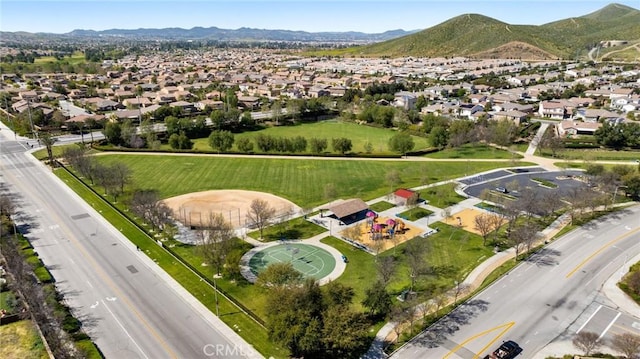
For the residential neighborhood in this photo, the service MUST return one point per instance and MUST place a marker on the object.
(194, 83)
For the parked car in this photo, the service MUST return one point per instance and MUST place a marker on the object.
(502, 190)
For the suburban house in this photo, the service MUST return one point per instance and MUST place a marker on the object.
(595, 115)
(552, 109)
(573, 128)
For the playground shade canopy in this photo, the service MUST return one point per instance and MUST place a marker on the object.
(348, 207)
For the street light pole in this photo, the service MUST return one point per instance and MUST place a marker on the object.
(215, 286)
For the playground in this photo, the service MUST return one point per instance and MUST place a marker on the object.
(310, 260)
(383, 233)
(464, 219)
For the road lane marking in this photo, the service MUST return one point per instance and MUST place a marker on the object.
(108, 281)
(606, 246)
(125, 330)
(475, 356)
(588, 320)
(609, 326)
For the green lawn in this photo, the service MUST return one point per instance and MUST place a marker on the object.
(452, 254)
(441, 196)
(358, 134)
(474, 151)
(381, 206)
(297, 228)
(415, 214)
(21, 340)
(300, 181)
(596, 154)
(76, 58)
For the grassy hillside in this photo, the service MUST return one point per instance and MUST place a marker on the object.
(476, 35)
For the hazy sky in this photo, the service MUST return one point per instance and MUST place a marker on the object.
(370, 16)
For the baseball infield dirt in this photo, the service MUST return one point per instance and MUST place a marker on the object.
(193, 209)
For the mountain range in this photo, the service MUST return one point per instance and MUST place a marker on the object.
(474, 35)
(614, 29)
(214, 33)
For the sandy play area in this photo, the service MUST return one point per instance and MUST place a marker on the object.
(466, 217)
(381, 245)
(193, 209)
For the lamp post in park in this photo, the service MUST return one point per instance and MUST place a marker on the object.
(215, 287)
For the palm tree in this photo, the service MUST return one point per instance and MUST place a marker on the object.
(48, 142)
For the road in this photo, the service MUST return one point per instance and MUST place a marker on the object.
(549, 297)
(127, 304)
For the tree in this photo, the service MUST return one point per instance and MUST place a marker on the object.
(439, 137)
(244, 144)
(632, 185)
(483, 224)
(414, 252)
(337, 295)
(318, 145)
(503, 132)
(221, 141)
(551, 142)
(121, 175)
(520, 235)
(343, 332)
(294, 319)
(341, 145)
(377, 300)
(587, 342)
(48, 141)
(180, 141)
(627, 344)
(279, 275)
(215, 240)
(610, 135)
(386, 267)
(402, 143)
(260, 213)
(393, 179)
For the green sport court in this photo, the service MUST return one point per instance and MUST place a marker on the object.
(307, 259)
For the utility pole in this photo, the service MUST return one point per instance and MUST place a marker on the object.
(35, 134)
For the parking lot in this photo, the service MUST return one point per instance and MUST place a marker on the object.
(564, 180)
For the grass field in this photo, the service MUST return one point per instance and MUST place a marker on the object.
(358, 134)
(473, 152)
(297, 228)
(594, 155)
(381, 206)
(300, 181)
(441, 196)
(20, 340)
(415, 213)
(452, 254)
(76, 58)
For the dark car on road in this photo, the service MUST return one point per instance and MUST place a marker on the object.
(508, 350)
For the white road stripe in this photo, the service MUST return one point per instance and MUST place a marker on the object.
(609, 326)
(124, 330)
(585, 323)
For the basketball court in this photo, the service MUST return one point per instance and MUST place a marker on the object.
(311, 261)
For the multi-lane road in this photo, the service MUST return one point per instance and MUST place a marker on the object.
(126, 303)
(552, 296)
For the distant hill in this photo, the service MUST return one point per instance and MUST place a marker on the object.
(214, 33)
(474, 35)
